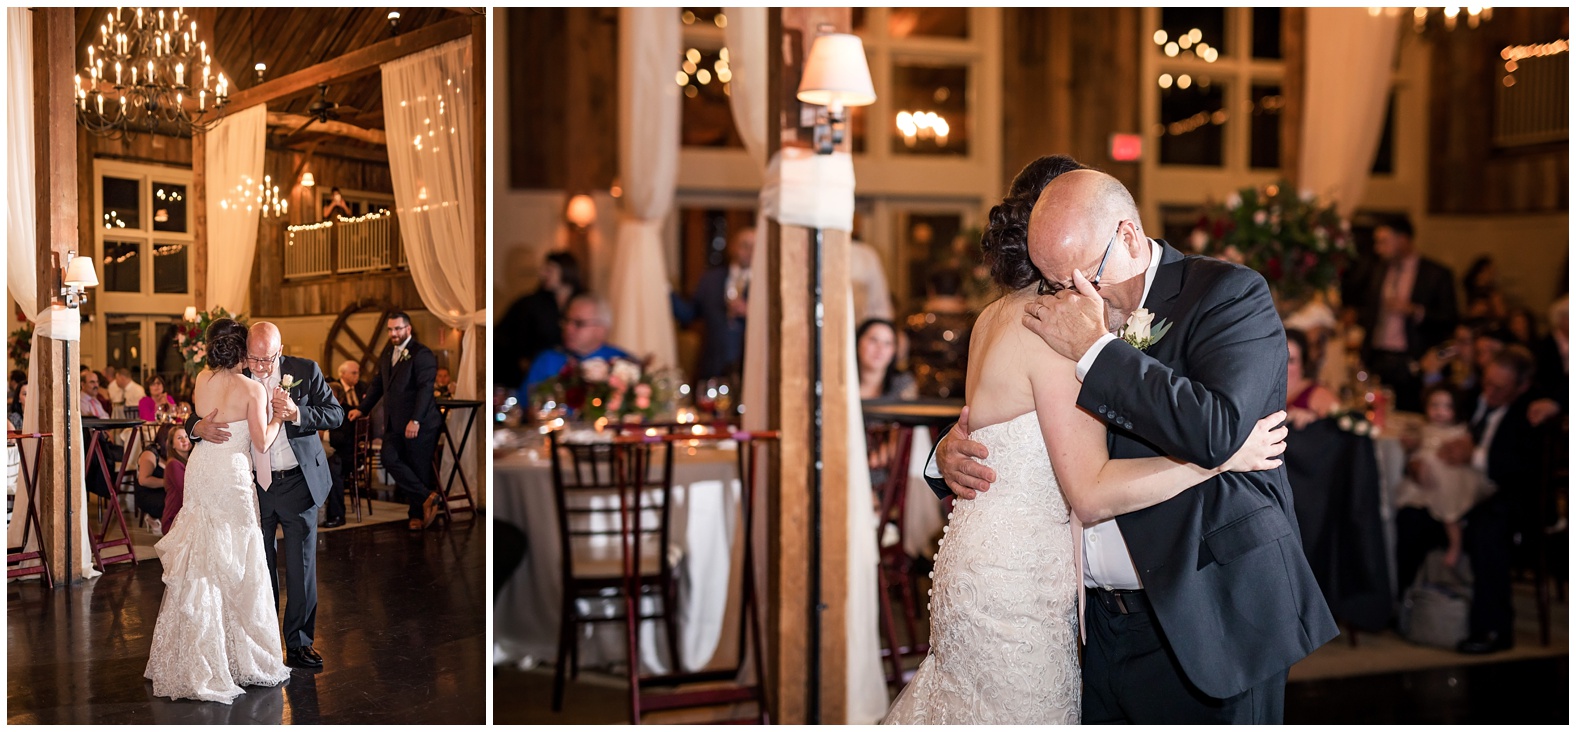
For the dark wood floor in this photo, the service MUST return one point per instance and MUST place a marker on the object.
(401, 624)
(1514, 692)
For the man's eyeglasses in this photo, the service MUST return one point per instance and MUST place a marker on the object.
(577, 323)
(263, 360)
(1055, 288)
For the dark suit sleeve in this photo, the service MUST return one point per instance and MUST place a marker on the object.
(191, 424)
(1439, 311)
(938, 485)
(321, 411)
(375, 391)
(1236, 357)
(424, 373)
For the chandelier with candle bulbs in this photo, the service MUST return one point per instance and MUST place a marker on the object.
(148, 72)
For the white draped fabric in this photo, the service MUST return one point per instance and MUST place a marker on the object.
(428, 110)
(234, 156)
(867, 694)
(648, 151)
(21, 231)
(1350, 51)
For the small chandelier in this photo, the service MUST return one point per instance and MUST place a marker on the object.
(148, 72)
(249, 194)
(1448, 18)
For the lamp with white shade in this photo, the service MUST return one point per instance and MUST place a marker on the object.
(79, 276)
(836, 76)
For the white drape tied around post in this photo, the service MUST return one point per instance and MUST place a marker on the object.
(234, 157)
(1348, 87)
(810, 190)
(648, 151)
(428, 109)
(21, 231)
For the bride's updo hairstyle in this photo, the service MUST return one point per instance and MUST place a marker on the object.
(226, 341)
(1006, 238)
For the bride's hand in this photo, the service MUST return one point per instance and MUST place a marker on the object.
(1266, 443)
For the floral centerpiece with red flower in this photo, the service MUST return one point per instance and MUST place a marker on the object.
(619, 390)
(1300, 244)
(191, 337)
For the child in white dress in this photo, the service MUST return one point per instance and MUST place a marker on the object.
(1445, 490)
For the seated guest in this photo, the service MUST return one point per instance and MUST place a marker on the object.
(1505, 448)
(1482, 291)
(1553, 352)
(178, 449)
(443, 384)
(20, 407)
(1454, 363)
(150, 478)
(349, 392)
(14, 404)
(1522, 325)
(157, 401)
(91, 406)
(1436, 494)
(1306, 400)
(876, 352)
(586, 323)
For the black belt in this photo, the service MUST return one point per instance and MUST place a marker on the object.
(1121, 602)
(286, 471)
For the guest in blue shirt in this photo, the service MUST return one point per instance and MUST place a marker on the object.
(586, 322)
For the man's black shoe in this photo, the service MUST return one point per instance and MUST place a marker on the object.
(1488, 643)
(304, 657)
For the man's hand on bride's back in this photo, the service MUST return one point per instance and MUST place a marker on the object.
(958, 458)
(209, 430)
(1262, 448)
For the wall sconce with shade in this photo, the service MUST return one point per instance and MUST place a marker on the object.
(836, 76)
(307, 181)
(190, 315)
(77, 277)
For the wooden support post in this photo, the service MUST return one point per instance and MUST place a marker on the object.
(480, 177)
(54, 150)
(199, 197)
(1294, 84)
(791, 32)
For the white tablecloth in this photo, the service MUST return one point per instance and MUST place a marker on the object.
(706, 497)
(924, 513)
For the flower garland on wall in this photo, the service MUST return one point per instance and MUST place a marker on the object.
(1300, 244)
(191, 338)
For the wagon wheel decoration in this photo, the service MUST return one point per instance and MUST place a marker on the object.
(344, 342)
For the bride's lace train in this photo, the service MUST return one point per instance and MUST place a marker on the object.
(1004, 611)
(218, 628)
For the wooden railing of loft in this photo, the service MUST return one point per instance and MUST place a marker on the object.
(342, 247)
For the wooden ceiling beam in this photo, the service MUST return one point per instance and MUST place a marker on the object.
(354, 64)
(321, 148)
(332, 127)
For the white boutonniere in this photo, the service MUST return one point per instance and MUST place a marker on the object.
(288, 382)
(1141, 331)
(404, 355)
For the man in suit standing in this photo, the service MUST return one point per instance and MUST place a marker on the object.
(406, 372)
(1199, 605)
(1408, 306)
(721, 301)
(350, 392)
(301, 480)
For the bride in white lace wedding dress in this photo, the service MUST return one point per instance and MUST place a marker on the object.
(218, 629)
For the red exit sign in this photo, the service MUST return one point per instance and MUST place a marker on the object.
(1126, 148)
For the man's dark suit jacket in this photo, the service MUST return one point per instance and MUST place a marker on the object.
(319, 411)
(1222, 562)
(723, 349)
(343, 437)
(409, 386)
(1434, 289)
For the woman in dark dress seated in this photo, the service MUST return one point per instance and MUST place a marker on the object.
(150, 478)
(1306, 399)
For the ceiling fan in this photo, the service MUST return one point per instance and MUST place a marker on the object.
(323, 109)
